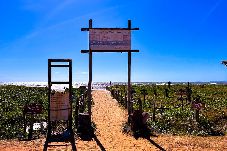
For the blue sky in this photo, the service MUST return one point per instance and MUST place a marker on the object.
(179, 40)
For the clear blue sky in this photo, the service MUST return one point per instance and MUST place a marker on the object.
(179, 40)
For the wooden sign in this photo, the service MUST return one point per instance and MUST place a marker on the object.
(33, 108)
(181, 92)
(59, 106)
(107, 39)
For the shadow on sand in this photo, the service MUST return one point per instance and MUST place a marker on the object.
(155, 144)
(99, 144)
(90, 137)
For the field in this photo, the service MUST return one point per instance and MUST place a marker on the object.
(180, 109)
(13, 99)
(180, 113)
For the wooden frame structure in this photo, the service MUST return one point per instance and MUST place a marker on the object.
(50, 137)
(129, 103)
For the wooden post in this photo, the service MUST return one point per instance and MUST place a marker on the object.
(197, 115)
(77, 112)
(189, 92)
(140, 105)
(129, 83)
(49, 97)
(90, 77)
(30, 136)
(144, 98)
(154, 112)
(125, 103)
(121, 97)
(182, 102)
(25, 123)
(70, 94)
(144, 93)
(129, 76)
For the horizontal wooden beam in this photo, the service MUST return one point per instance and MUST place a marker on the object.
(87, 51)
(60, 66)
(87, 29)
(60, 60)
(60, 82)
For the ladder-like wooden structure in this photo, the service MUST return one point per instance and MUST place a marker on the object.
(70, 134)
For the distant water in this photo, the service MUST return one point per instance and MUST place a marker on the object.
(43, 84)
(101, 85)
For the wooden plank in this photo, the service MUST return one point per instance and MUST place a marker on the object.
(87, 29)
(57, 82)
(60, 66)
(59, 60)
(87, 51)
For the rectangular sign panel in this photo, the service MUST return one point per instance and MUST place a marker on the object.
(107, 39)
(59, 106)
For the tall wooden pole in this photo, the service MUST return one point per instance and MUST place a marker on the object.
(49, 93)
(70, 94)
(90, 77)
(129, 76)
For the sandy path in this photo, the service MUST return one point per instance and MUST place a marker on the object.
(109, 117)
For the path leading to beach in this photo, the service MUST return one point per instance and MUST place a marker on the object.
(109, 118)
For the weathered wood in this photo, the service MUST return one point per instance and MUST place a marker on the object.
(63, 82)
(90, 78)
(129, 84)
(59, 60)
(87, 51)
(154, 108)
(197, 115)
(144, 93)
(70, 95)
(85, 129)
(49, 97)
(76, 113)
(129, 76)
(140, 105)
(129, 103)
(70, 135)
(59, 65)
(30, 133)
(87, 29)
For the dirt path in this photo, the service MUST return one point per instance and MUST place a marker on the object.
(109, 117)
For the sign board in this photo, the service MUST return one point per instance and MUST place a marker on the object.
(59, 106)
(181, 92)
(107, 39)
(33, 108)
